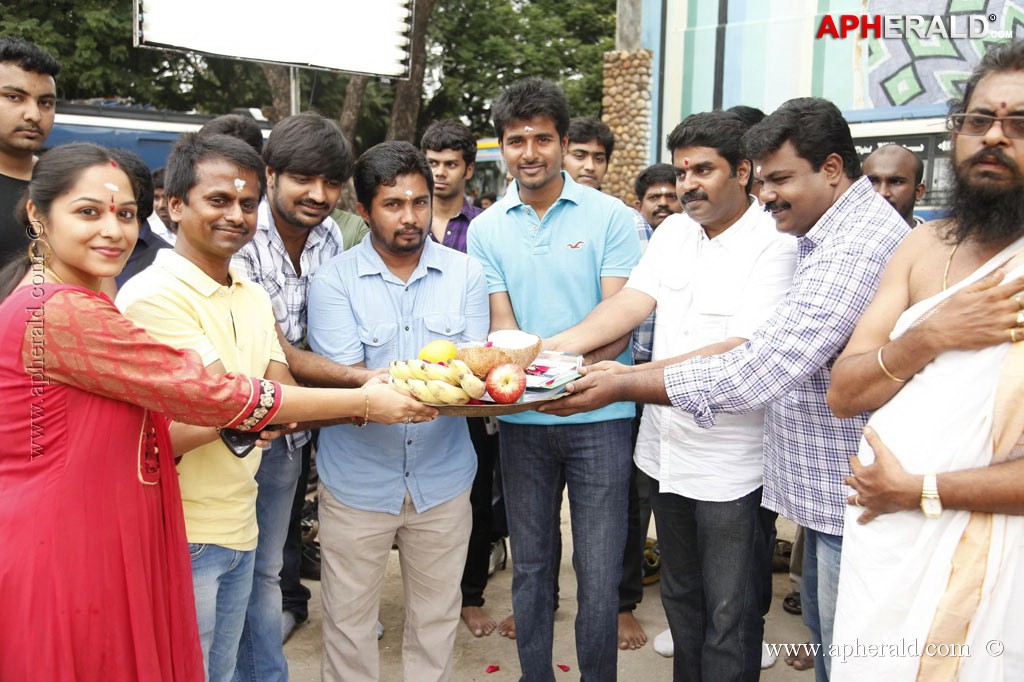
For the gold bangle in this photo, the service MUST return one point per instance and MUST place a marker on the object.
(886, 371)
(360, 423)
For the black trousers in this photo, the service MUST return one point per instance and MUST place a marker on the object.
(485, 518)
(294, 595)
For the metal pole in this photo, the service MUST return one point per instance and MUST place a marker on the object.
(293, 78)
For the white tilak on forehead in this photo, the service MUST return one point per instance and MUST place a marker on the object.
(528, 129)
(112, 187)
(408, 192)
(239, 184)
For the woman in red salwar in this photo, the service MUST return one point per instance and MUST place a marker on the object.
(95, 581)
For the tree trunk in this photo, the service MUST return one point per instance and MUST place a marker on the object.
(280, 91)
(349, 116)
(408, 93)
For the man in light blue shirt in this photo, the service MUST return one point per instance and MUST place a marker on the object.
(381, 301)
(552, 250)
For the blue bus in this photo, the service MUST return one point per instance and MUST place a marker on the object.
(150, 134)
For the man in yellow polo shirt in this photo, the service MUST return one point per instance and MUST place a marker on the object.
(191, 298)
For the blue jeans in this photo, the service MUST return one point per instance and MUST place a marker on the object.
(593, 461)
(222, 580)
(711, 575)
(260, 653)
(818, 589)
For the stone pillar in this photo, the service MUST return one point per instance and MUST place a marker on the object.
(626, 107)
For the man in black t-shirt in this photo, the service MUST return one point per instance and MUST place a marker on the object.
(28, 99)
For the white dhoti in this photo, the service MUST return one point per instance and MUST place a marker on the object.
(939, 599)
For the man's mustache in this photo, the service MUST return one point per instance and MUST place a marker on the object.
(773, 206)
(992, 155)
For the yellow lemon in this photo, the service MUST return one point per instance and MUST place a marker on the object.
(438, 351)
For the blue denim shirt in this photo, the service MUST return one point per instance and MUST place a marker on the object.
(360, 312)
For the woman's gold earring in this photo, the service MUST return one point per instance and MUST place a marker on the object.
(33, 251)
(34, 229)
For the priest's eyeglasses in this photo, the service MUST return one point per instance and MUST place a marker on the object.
(978, 124)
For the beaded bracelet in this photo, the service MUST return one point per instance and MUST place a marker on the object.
(886, 371)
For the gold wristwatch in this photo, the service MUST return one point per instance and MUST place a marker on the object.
(931, 505)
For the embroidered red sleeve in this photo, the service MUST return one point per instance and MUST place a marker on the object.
(85, 342)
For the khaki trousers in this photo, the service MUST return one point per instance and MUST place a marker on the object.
(354, 547)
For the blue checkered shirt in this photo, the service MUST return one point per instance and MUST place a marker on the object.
(265, 261)
(785, 366)
(643, 336)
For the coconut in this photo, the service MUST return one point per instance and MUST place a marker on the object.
(481, 358)
(522, 347)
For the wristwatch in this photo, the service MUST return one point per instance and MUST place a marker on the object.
(931, 505)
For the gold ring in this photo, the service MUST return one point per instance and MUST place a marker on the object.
(856, 500)
(1013, 335)
(408, 420)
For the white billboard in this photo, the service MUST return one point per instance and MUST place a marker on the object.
(361, 36)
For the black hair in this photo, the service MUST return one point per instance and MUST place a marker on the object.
(236, 125)
(814, 126)
(309, 144)
(658, 174)
(478, 202)
(528, 98)
(999, 58)
(158, 177)
(192, 149)
(382, 163)
(719, 130)
(749, 115)
(54, 174)
(584, 129)
(142, 181)
(28, 56)
(449, 134)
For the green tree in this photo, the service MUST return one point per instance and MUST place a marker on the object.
(475, 48)
(481, 46)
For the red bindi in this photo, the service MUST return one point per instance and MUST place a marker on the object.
(112, 206)
(113, 163)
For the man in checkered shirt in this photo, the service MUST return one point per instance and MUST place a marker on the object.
(308, 161)
(811, 183)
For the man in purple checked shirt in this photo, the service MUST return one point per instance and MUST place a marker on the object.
(450, 149)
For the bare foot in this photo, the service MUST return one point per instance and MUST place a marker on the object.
(507, 627)
(803, 660)
(631, 634)
(477, 620)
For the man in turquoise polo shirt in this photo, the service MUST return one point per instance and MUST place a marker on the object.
(552, 250)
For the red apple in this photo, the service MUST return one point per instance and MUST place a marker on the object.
(506, 383)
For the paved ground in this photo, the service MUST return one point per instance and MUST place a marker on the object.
(474, 655)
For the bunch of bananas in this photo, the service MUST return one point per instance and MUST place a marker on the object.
(436, 382)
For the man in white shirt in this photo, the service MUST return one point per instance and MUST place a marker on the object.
(714, 275)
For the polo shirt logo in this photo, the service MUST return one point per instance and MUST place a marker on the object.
(576, 245)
